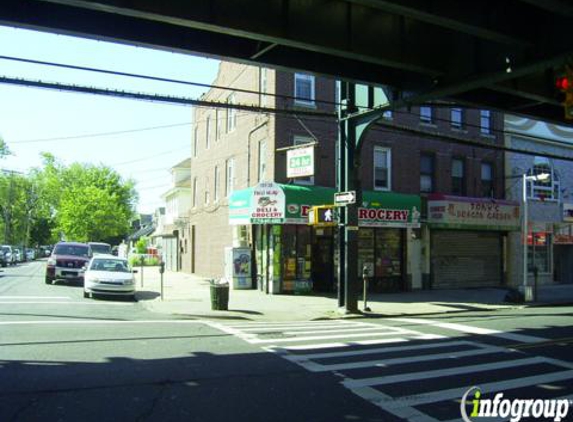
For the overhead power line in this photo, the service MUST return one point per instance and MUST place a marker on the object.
(100, 134)
(160, 98)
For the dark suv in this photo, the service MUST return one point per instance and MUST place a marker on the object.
(67, 261)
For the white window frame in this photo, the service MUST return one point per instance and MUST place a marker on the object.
(231, 114)
(216, 178)
(229, 176)
(456, 118)
(388, 152)
(549, 189)
(207, 132)
(263, 78)
(194, 143)
(426, 114)
(485, 116)
(195, 192)
(301, 140)
(306, 78)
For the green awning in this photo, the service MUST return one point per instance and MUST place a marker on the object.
(273, 203)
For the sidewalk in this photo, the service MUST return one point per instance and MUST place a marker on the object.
(189, 295)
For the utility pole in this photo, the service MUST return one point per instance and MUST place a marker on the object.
(360, 107)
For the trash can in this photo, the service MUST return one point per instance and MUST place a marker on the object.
(219, 295)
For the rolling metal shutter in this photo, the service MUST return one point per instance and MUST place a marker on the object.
(462, 259)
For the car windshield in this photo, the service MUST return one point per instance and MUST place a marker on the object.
(76, 250)
(112, 265)
(5, 249)
(101, 248)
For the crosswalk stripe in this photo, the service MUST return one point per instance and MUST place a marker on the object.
(287, 323)
(423, 375)
(473, 330)
(384, 350)
(315, 367)
(306, 327)
(456, 393)
(352, 330)
(326, 337)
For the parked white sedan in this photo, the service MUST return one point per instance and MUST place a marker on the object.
(110, 275)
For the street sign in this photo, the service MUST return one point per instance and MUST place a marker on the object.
(345, 198)
(300, 162)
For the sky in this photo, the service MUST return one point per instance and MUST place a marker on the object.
(34, 120)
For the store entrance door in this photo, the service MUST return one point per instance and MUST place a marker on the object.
(323, 264)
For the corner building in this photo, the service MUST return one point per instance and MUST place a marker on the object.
(242, 197)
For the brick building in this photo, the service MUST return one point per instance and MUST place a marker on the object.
(235, 157)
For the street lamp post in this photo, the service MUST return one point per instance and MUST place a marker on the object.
(537, 178)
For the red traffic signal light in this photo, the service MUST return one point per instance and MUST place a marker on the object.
(563, 83)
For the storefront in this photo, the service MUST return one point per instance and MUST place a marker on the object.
(563, 247)
(468, 240)
(291, 256)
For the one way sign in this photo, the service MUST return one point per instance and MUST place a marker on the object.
(345, 198)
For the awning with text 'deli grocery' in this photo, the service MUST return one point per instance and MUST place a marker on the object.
(274, 203)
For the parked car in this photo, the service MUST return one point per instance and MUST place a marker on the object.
(3, 259)
(108, 274)
(67, 261)
(30, 254)
(100, 248)
(9, 255)
(17, 255)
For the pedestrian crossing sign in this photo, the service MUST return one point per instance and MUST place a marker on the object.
(323, 216)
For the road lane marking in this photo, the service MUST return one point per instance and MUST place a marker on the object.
(65, 303)
(96, 321)
(522, 338)
(424, 375)
(34, 297)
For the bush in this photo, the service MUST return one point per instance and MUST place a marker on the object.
(148, 260)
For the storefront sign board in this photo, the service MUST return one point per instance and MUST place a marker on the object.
(268, 205)
(473, 213)
(300, 162)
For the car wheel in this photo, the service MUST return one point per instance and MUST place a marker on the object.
(4, 265)
(86, 295)
(48, 280)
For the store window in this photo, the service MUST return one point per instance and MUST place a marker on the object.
(382, 168)
(427, 173)
(538, 251)
(388, 253)
(458, 177)
(547, 188)
(297, 262)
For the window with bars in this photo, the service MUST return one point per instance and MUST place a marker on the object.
(427, 172)
(304, 89)
(458, 177)
(382, 168)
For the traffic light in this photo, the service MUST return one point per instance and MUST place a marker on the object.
(564, 84)
(323, 216)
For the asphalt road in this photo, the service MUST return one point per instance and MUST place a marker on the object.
(66, 358)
